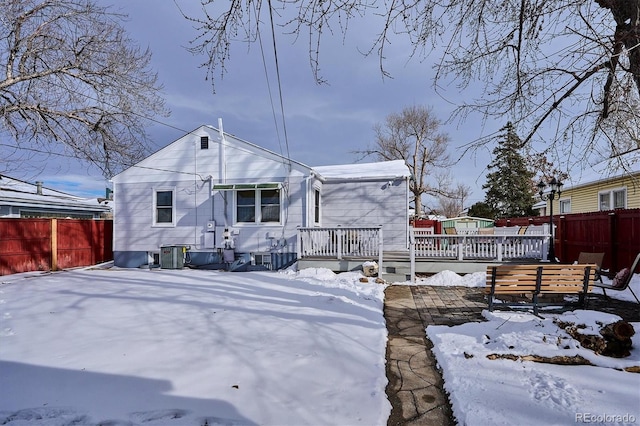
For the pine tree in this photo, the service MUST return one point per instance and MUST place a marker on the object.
(510, 192)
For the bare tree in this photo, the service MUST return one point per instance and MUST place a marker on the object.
(72, 82)
(567, 71)
(414, 136)
(453, 205)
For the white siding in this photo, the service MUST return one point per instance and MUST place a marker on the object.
(184, 168)
(369, 204)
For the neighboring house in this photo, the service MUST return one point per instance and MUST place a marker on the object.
(209, 191)
(20, 199)
(592, 193)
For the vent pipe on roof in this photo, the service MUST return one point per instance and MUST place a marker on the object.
(39, 187)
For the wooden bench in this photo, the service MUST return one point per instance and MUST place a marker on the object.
(528, 282)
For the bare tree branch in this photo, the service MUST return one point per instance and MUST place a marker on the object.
(74, 82)
(550, 67)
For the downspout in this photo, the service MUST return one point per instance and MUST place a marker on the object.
(222, 169)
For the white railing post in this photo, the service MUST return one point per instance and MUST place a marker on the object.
(545, 249)
(380, 251)
(461, 247)
(499, 248)
(339, 243)
(298, 243)
(412, 255)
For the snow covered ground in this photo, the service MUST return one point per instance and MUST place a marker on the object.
(168, 347)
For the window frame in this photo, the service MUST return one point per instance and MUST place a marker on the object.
(564, 202)
(258, 206)
(611, 198)
(317, 206)
(155, 221)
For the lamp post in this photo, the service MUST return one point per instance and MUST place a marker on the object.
(555, 188)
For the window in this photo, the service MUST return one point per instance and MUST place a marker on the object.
(316, 207)
(164, 207)
(204, 142)
(270, 205)
(246, 206)
(565, 205)
(619, 199)
(613, 199)
(258, 206)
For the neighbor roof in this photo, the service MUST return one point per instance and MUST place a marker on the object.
(17, 192)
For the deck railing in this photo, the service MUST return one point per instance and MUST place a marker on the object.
(339, 242)
(486, 247)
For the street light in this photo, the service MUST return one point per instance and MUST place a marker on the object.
(555, 188)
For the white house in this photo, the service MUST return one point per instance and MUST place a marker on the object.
(209, 193)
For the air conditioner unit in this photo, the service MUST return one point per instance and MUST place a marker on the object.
(172, 257)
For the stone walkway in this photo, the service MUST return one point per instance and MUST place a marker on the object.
(415, 382)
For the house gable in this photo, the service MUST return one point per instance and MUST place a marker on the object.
(226, 160)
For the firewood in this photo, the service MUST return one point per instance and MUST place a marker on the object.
(614, 339)
(560, 360)
(620, 330)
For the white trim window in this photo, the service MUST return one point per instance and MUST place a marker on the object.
(612, 199)
(565, 205)
(317, 198)
(164, 207)
(260, 205)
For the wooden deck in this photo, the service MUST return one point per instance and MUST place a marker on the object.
(396, 266)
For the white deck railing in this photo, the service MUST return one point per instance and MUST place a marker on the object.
(339, 242)
(486, 247)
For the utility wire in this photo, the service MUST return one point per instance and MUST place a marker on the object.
(275, 54)
(266, 75)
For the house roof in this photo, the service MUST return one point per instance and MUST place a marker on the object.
(601, 172)
(230, 141)
(380, 170)
(16, 192)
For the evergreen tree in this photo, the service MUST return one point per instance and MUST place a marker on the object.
(510, 192)
(481, 209)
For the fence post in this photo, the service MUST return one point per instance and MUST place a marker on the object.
(561, 238)
(613, 247)
(54, 244)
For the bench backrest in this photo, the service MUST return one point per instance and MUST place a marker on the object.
(552, 278)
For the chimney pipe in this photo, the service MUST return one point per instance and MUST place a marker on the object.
(39, 187)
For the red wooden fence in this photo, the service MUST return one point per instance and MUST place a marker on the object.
(51, 244)
(616, 233)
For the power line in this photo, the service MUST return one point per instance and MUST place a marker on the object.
(275, 54)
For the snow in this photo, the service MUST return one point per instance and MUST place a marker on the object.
(382, 169)
(185, 347)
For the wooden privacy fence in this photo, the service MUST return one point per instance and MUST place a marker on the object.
(616, 233)
(52, 244)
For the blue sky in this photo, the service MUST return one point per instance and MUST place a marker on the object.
(325, 123)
